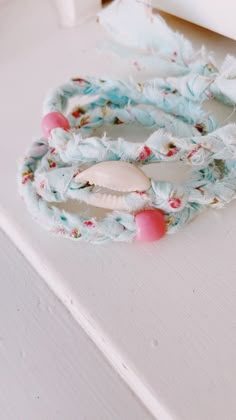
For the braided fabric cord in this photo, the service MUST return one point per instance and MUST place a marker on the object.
(178, 128)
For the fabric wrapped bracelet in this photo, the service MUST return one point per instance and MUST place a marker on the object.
(70, 162)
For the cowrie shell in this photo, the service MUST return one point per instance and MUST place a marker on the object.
(114, 175)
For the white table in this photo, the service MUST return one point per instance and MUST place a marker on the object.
(117, 331)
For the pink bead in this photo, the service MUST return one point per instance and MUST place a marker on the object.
(54, 120)
(150, 225)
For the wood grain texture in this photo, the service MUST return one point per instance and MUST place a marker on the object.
(49, 368)
(163, 314)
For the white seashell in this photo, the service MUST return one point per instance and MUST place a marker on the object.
(117, 176)
(107, 201)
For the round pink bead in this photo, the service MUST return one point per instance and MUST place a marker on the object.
(54, 120)
(150, 225)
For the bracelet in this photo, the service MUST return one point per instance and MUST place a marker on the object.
(158, 47)
(70, 162)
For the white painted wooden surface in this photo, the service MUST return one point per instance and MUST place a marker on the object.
(217, 15)
(49, 368)
(162, 314)
(73, 12)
